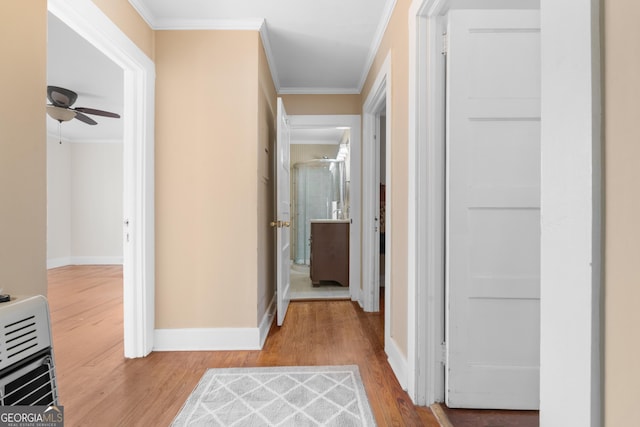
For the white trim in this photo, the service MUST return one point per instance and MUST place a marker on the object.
(84, 260)
(96, 260)
(267, 320)
(397, 361)
(58, 262)
(377, 40)
(355, 146)
(266, 44)
(571, 210)
(144, 12)
(207, 339)
(426, 203)
(379, 96)
(56, 138)
(318, 91)
(85, 18)
(207, 24)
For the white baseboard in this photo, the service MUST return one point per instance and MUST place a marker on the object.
(96, 260)
(398, 362)
(84, 260)
(58, 262)
(206, 339)
(267, 321)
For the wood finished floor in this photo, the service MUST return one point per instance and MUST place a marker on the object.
(491, 418)
(98, 387)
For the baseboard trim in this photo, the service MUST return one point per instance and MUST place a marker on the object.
(207, 339)
(398, 362)
(58, 262)
(267, 321)
(97, 260)
(84, 260)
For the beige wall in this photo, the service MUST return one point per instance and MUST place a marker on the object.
(23, 26)
(206, 192)
(622, 210)
(322, 104)
(130, 22)
(396, 43)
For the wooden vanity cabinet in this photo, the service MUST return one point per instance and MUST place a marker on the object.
(329, 251)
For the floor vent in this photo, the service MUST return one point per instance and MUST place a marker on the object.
(27, 369)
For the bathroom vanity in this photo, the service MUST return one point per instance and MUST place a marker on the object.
(329, 251)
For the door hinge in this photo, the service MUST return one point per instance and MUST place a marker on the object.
(445, 43)
(443, 353)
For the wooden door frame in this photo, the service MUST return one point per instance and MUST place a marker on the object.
(571, 244)
(86, 19)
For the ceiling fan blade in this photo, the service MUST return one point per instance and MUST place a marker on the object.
(97, 112)
(86, 119)
(61, 97)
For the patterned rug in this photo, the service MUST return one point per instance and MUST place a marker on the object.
(294, 396)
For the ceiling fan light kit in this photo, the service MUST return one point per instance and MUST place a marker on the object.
(60, 108)
(60, 114)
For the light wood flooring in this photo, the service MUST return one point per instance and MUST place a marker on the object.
(98, 387)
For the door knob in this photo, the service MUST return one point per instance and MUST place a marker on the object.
(286, 223)
(276, 224)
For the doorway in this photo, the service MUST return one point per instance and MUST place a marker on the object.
(345, 147)
(376, 218)
(320, 183)
(90, 23)
(571, 115)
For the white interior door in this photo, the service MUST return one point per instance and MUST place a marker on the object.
(493, 230)
(283, 213)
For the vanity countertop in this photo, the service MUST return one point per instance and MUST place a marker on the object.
(331, 221)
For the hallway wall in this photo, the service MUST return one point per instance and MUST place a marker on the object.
(622, 207)
(23, 210)
(395, 42)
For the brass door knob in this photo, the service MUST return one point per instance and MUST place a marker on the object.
(276, 224)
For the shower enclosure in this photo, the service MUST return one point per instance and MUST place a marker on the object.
(320, 192)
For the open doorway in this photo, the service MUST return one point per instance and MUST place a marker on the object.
(325, 194)
(137, 221)
(377, 192)
(84, 163)
(320, 181)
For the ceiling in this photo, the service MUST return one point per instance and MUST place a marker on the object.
(312, 46)
(73, 63)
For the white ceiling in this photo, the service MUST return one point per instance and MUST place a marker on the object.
(313, 46)
(75, 64)
(332, 136)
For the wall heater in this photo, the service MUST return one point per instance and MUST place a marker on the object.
(27, 370)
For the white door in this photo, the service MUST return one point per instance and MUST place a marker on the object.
(283, 213)
(493, 230)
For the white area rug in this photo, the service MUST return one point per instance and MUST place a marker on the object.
(294, 396)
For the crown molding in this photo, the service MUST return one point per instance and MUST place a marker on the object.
(318, 91)
(377, 40)
(208, 24)
(259, 24)
(143, 11)
(56, 138)
(266, 44)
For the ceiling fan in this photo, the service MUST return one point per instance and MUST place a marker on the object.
(60, 108)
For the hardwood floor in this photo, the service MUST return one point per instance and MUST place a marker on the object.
(98, 387)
